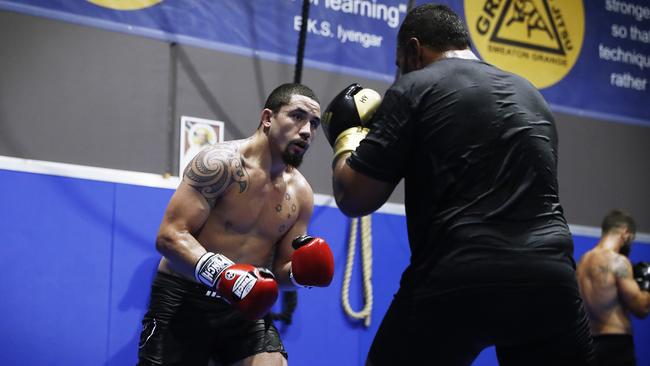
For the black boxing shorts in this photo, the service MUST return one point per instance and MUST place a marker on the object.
(614, 350)
(187, 324)
(528, 325)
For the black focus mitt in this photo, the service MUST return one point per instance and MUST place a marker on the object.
(641, 272)
(345, 117)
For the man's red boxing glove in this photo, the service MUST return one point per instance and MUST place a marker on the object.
(312, 262)
(251, 290)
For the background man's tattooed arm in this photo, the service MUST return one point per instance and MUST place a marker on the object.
(214, 169)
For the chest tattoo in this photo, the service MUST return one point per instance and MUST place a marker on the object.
(239, 174)
(227, 227)
(290, 210)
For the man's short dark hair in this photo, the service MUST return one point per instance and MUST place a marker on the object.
(618, 219)
(281, 95)
(435, 26)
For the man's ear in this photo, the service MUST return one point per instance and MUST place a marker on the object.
(413, 53)
(265, 118)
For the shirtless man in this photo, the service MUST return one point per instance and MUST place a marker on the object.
(610, 291)
(232, 232)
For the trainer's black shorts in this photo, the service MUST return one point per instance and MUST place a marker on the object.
(528, 325)
(614, 350)
(186, 324)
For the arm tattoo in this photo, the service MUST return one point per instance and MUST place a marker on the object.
(213, 170)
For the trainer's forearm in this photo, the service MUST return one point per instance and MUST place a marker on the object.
(338, 171)
(351, 196)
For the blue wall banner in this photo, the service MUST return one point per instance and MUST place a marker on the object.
(358, 35)
(587, 57)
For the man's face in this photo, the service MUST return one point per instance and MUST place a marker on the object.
(293, 128)
(400, 62)
(406, 61)
(628, 238)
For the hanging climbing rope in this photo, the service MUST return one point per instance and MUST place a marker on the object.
(366, 265)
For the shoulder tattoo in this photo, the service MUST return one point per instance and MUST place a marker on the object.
(619, 267)
(214, 169)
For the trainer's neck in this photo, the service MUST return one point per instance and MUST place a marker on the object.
(465, 54)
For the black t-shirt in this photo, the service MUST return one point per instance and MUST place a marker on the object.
(477, 147)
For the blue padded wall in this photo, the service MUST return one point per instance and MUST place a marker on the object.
(78, 259)
(138, 212)
(56, 236)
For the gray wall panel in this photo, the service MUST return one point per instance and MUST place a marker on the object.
(86, 96)
(603, 165)
(79, 95)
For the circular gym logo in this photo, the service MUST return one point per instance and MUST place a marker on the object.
(537, 39)
(125, 4)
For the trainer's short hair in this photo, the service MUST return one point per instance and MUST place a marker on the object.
(618, 219)
(435, 26)
(281, 95)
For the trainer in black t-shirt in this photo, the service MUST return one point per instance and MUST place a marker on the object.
(477, 147)
(491, 253)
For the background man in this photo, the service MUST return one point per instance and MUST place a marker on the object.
(610, 292)
(242, 207)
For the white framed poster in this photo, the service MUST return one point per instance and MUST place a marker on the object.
(195, 134)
